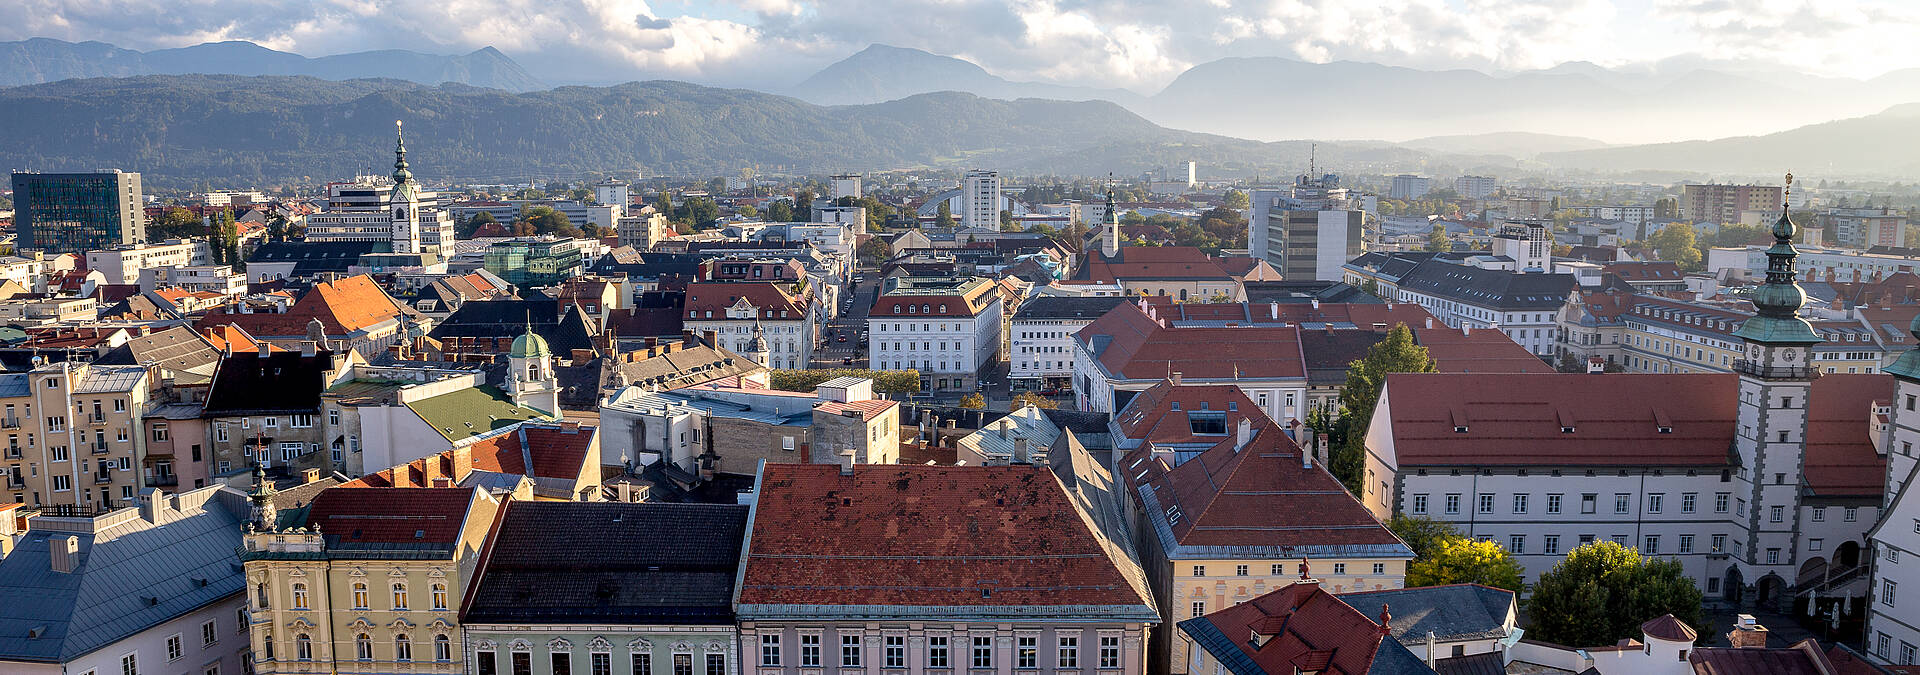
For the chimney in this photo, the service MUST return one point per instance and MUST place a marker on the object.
(309, 475)
(1175, 378)
(152, 504)
(1021, 455)
(1243, 434)
(710, 339)
(1003, 431)
(1429, 323)
(1316, 303)
(1466, 329)
(308, 347)
(1273, 309)
(1747, 633)
(1430, 646)
(264, 349)
(442, 482)
(846, 462)
(66, 553)
(1306, 457)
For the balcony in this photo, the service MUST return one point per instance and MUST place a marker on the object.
(97, 418)
(1746, 367)
(162, 479)
(102, 478)
(98, 448)
(13, 452)
(9, 423)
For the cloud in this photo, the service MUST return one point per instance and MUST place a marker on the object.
(1140, 44)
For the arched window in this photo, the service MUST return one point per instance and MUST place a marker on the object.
(442, 648)
(399, 595)
(261, 590)
(439, 595)
(266, 642)
(363, 647)
(360, 595)
(303, 647)
(402, 648)
(300, 596)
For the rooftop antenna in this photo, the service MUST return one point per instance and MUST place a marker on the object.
(1313, 160)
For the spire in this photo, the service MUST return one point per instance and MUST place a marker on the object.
(400, 173)
(1777, 302)
(261, 497)
(1110, 243)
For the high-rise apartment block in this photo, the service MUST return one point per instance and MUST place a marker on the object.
(980, 200)
(1475, 187)
(1748, 204)
(77, 212)
(1410, 187)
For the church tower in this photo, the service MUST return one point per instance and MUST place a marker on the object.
(756, 350)
(1776, 378)
(530, 379)
(1110, 243)
(263, 517)
(404, 202)
(1901, 452)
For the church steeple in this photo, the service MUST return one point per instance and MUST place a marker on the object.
(1777, 302)
(261, 497)
(1110, 244)
(400, 173)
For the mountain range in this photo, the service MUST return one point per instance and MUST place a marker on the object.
(40, 60)
(1271, 98)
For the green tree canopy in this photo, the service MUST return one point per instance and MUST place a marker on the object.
(1421, 533)
(1437, 240)
(1365, 378)
(1602, 593)
(973, 401)
(884, 381)
(1235, 200)
(1459, 560)
(944, 216)
(779, 212)
(1675, 243)
(175, 223)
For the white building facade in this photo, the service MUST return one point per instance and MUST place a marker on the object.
(946, 328)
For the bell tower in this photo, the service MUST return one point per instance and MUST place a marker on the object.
(531, 382)
(1776, 378)
(404, 203)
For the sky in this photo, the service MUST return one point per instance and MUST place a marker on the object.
(1135, 44)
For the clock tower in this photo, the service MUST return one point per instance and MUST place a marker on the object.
(1776, 378)
(404, 203)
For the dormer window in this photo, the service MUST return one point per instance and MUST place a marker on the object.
(1459, 428)
(1666, 430)
(1566, 430)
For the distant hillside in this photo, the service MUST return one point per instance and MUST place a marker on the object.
(885, 73)
(267, 130)
(1875, 145)
(46, 60)
(1515, 144)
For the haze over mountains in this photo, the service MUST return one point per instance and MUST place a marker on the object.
(888, 107)
(46, 60)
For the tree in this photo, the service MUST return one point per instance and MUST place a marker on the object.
(1675, 243)
(547, 220)
(1421, 533)
(175, 223)
(1370, 287)
(875, 249)
(944, 216)
(1666, 207)
(973, 401)
(779, 212)
(1437, 240)
(1235, 200)
(878, 213)
(1006, 222)
(1028, 398)
(1459, 560)
(884, 381)
(473, 224)
(1602, 593)
(747, 211)
(1365, 378)
(223, 238)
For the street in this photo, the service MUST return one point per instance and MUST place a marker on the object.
(849, 325)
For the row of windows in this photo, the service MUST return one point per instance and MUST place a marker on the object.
(486, 662)
(363, 647)
(360, 596)
(1622, 505)
(939, 651)
(1280, 569)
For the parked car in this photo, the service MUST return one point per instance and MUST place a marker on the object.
(846, 361)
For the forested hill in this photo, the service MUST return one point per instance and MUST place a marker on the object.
(185, 129)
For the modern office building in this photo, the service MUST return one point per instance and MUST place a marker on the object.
(980, 200)
(77, 212)
(532, 262)
(846, 185)
(392, 210)
(1307, 231)
(1410, 187)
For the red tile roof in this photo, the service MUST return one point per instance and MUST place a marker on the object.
(865, 410)
(1654, 271)
(770, 298)
(1517, 419)
(1134, 346)
(1152, 415)
(1259, 495)
(1151, 263)
(556, 453)
(978, 536)
(391, 515)
(1803, 658)
(1841, 460)
(1669, 627)
(1306, 629)
(343, 306)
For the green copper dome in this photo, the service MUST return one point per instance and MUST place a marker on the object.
(1908, 367)
(1777, 302)
(529, 346)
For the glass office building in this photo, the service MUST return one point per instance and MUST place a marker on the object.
(77, 212)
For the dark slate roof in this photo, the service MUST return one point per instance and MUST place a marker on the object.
(312, 258)
(130, 576)
(1392, 265)
(1484, 663)
(1078, 422)
(1498, 289)
(491, 319)
(1306, 291)
(1067, 307)
(248, 384)
(614, 562)
(1451, 613)
(649, 265)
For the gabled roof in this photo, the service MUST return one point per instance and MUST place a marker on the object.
(575, 562)
(179, 349)
(1451, 613)
(475, 411)
(1067, 307)
(564, 331)
(1499, 289)
(1841, 459)
(1803, 658)
(1261, 497)
(130, 575)
(977, 541)
(1481, 419)
(1304, 629)
(1151, 263)
(772, 300)
(344, 307)
(1161, 414)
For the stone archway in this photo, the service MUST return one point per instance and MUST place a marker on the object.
(1847, 555)
(1732, 587)
(1768, 590)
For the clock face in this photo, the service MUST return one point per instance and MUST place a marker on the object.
(1792, 354)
